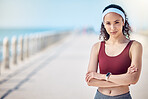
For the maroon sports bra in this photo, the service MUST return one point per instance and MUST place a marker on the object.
(114, 64)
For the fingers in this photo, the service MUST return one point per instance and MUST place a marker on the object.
(132, 69)
(86, 78)
(89, 76)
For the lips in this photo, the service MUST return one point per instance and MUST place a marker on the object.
(114, 32)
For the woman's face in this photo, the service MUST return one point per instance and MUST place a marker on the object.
(113, 24)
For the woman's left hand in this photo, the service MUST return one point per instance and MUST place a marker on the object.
(132, 69)
(91, 75)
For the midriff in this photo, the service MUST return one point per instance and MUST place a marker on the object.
(113, 91)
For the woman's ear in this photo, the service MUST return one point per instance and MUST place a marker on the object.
(103, 24)
(122, 23)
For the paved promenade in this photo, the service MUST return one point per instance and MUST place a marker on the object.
(59, 72)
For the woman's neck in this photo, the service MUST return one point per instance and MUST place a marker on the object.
(118, 40)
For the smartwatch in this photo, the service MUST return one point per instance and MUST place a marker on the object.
(107, 76)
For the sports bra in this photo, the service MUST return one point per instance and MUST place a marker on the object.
(114, 64)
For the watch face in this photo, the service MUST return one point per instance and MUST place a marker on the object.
(107, 74)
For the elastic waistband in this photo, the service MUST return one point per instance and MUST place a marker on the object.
(117, 96)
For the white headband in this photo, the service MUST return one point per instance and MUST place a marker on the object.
(113, 10)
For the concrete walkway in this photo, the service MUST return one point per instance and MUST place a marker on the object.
(59, 72)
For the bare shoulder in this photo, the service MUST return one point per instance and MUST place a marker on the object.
(96, 46)
(136, 46)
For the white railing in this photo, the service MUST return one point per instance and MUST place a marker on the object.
(26, 46)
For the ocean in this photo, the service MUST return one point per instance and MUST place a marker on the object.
(21, 32)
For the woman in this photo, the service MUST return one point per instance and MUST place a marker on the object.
(119, 58)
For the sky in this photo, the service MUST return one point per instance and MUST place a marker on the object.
(64, 13)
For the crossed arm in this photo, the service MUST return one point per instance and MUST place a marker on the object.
(131, 77)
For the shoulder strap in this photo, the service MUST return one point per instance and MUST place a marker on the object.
(130, 43)
(102, 45)
(101, 48)
(128, 46)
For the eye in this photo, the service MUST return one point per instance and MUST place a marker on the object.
(116, 22)
(108, 23)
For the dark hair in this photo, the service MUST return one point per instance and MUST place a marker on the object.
(126, 28)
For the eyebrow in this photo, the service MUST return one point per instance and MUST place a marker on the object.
(117, 20)
(114, 21)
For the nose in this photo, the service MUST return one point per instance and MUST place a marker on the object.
(112, 27)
